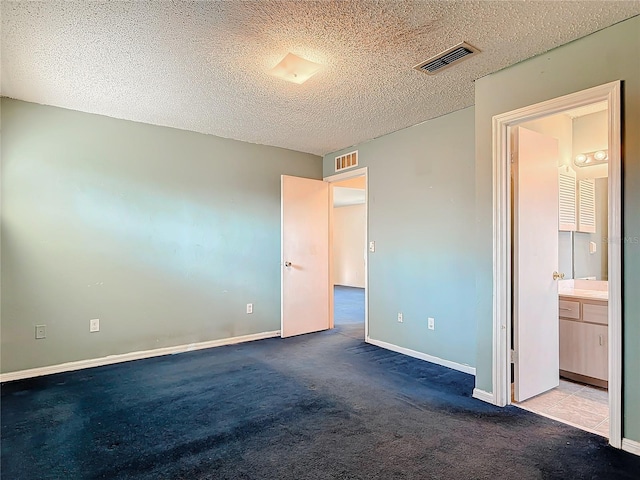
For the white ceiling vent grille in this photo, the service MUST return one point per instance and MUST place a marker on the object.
(347, 160)
(447, 58)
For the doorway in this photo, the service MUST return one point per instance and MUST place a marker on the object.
(577, 347)
(307, 279)
(505, 280)
(348, 252)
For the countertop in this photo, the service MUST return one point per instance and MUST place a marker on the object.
(584, 294)
(584, 289)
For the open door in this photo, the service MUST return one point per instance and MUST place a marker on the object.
(305, 256)
(535, 263)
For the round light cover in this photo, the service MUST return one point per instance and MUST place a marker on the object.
(600, 155)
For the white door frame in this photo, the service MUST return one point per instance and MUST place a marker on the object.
(358, 172)
(502, 281)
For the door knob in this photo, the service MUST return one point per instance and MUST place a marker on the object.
(557, 276)
(287, 264)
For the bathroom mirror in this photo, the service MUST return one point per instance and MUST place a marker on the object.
(583, 138)
(583, 255)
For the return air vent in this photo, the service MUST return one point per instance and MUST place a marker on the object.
(347, 160)
(447, 58)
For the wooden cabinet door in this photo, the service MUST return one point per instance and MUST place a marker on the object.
(583, 349)
(596, 342)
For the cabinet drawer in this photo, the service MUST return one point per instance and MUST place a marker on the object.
(569, 309)
(595, 313)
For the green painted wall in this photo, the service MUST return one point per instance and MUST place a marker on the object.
(421, 216)
(609, 55)
(162, 234)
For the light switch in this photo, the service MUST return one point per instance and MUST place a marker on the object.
(372, 246)
(94, 325)
(592, 247)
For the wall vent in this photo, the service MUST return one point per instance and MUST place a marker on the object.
(447, 58)
(347, 160)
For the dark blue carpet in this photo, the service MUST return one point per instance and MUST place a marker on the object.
(318, 406)
(348, 305)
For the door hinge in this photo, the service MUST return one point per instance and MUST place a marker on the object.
(513, 356)
(513, 157)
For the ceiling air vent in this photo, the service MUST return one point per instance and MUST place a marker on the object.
(347, 160)
(447, 58)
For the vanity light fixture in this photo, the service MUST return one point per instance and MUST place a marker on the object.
(293, 68)
(591, 158)
(600, 155)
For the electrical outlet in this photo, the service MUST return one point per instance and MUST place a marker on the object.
(41, 331)
(400, 320)
(249, 307)
(372, 246)
(94, 325)
(431, 323)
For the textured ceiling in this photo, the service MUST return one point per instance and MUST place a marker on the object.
(203, 66)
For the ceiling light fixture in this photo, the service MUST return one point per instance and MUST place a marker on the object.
(295, 69)
(591, 158)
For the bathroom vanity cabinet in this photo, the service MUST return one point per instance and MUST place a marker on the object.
(584, 338)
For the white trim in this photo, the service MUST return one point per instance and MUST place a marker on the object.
(127, 357)
(423, 356)
(501, 370)
(631, 446)
(502, 124)
(358, 172)
(615, 267)
(281, 254)
(482, 395)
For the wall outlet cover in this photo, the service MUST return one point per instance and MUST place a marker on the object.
(41, 331)
(94, 325)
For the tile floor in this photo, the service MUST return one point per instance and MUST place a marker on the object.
(582, 406)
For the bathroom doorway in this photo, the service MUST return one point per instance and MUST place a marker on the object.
(580, 394)
(511, 365)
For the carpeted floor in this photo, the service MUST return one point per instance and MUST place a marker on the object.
(348, 305)
(318, 406)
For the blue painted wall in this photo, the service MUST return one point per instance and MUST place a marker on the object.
(421, 216)
(164, 235)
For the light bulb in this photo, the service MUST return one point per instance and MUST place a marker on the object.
(582, 158)
(600, 155)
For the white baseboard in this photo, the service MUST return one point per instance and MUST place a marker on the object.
(631, 446)
(423, 356)
(126, 357)
(484, 396)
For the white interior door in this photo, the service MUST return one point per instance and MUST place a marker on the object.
(305, 256)
(535, 259)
